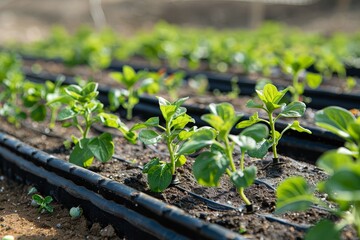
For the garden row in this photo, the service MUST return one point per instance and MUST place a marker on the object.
(83, 110)
(262, 50)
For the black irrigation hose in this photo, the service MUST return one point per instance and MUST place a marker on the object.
(170, 217)
(227, 207)
(272, 218)
(96, 208)
(222, 81)
(311, 145)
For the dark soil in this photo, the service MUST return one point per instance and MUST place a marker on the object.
(252, 225)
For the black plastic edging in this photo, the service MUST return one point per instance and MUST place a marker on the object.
(169, 217)
(222, 82)
(308, 147)
(96, 208)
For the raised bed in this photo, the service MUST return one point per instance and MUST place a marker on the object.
(132, 213)
(312, 145)
(167, 217)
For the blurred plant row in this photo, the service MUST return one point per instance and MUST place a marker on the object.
(261, 50)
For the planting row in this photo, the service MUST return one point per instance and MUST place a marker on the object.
(271, 47)
(78, 107)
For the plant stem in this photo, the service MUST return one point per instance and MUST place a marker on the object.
(53, 118)
(229, 154)
(273, 134)
(87, 125)
(130, 106)
(170, 148)
(241, 190)
(233, 168)
(296, 96)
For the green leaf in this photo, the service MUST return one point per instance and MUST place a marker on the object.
(294, 109)
(252, 120)
(331, 161)
(354, 130)
(102, 147)
(74, 91)
(49, 208)
(185, 134)
(37, 198)
(39, 113)
(244, 179)
(344, 184)
(159, 177)
(149, 137)
(313, 80)
(167, 109)
(296, 126)
(260, 150)
(82, 155)
(48, 199)
(181, 121)
(110, 120)
(180, 161)
(151, 122)
(222, 117)
(209, 167)
(258, 132)
(66, 113)
(335, 120)
(252, 104)
(89, 89)
(150, 164)
(201, 138)
(270, 94)
(294, 194)
(325, 229)
(129, 76)
(244, 142)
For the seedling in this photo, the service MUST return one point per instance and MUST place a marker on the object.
(36, 96)
(343, 184)
(136, 84)
(11, 83)
(43, 203)
(294, 65)
(210, 165)
(161, 173)
(82, 110)
(270, 102)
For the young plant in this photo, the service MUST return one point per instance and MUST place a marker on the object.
(210, 165)
(11, 86)
(43, 203)
(270, 102)
(36, 96)
(343, 184)
(294, 64)
(161, 173)
(136, 84)
(82, 110)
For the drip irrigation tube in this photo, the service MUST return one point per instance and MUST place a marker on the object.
(103, 199)
(303, 146)
(222, 82)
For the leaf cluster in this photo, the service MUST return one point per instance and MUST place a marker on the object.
(342, 186)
